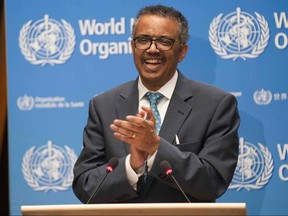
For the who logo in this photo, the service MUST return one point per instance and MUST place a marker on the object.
(47, 41)
(239, 35)
(262, 97)
(254, 168)
(25, 103)
(49, 167)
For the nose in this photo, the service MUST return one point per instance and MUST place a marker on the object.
(153, 47)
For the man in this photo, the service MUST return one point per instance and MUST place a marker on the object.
(198, 134)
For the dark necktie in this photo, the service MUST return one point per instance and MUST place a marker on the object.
(154, 99)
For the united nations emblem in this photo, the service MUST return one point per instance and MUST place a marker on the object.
(49, 167)
(262, 97)
(239, 35)
(25, 103)
(47, 41)
(254, 167)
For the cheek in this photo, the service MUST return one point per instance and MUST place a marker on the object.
(137, 54)
(173, 59)
(136, 58)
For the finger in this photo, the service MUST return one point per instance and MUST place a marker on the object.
(123, 127)
(142, 114)
(149, 112)
(127, 139)
(124, 138)
(136, 121)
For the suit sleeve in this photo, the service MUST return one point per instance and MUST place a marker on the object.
(207, 173)
(90, 167)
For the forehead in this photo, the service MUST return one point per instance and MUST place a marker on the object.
(153, 25)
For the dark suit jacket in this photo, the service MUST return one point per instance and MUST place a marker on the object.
(204, 118)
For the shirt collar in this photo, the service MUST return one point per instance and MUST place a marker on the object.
(166, 90)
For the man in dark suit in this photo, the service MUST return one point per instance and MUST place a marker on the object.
(198, 134)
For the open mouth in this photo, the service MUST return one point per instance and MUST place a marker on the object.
(152, 64)
(153, 61)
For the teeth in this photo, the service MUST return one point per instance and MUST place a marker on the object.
(153, 61)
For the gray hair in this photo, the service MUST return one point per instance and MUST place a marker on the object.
(166, 12)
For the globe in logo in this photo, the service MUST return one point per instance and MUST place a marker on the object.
(262, 97)
(254, 167)
(49, 167)
(47, 41)
(25, 103)
(239, 35)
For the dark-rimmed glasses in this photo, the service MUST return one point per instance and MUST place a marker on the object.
(161, 43)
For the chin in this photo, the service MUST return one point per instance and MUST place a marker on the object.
(151, 75)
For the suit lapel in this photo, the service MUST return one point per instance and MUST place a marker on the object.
(128, 105)
(177, 111)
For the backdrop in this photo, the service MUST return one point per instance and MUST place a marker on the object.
(62, 53)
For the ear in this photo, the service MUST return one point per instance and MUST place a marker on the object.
(183, 52)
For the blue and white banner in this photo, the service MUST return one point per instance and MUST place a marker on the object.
(62, 53)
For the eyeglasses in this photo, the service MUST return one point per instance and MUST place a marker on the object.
(162, 43)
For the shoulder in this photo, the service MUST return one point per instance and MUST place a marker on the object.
(204, 88)
(199, 92)
(122, 90)
(199, 88)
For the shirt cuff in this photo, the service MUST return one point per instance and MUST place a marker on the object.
(132, 176)
(150, 160)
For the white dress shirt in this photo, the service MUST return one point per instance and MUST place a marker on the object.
(167, 91)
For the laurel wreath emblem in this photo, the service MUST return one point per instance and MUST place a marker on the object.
(31, 57)
(257, 50)
(33, 183)
(266, 175)
(262, 100)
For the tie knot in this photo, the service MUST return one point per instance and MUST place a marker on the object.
(154, 97)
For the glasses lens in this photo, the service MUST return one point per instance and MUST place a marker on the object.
(163, 44)
(142, 43)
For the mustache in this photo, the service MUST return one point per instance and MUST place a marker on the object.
(153, 55)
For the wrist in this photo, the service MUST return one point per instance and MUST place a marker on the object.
(136, 164)
(154, 147)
